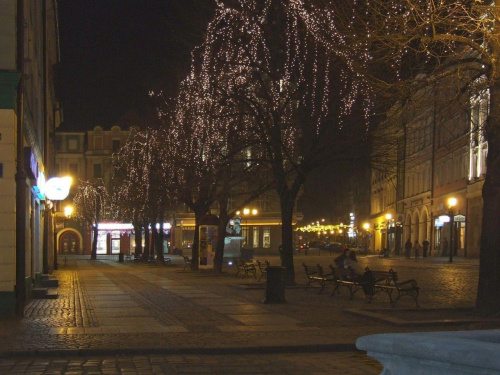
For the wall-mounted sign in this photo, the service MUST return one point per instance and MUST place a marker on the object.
(459, 218)
(444, 218)
(30, 163)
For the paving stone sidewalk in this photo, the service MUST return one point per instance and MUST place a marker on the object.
(152, 313)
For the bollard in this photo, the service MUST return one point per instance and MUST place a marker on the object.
(275, 285)
(120, 257)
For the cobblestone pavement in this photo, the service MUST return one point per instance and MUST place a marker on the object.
(118, 318)
(301, 363)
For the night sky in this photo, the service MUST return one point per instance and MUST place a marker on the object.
(113, 52)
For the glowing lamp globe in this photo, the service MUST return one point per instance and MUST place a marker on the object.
(57, 188)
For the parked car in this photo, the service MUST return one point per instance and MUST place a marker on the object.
(333, 247)
(303, 246)
(319, 244)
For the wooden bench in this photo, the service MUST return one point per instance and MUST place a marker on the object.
(245, 269)
(315, 275)
(345, 277)
(187, 262)
(388, 282)
(263, 268)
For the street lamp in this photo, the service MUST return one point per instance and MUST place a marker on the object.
(68, 210)
(57, 189)
(388, 217)
(452, 202)
(366, 227)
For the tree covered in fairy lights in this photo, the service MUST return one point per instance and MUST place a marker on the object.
(91, 204)
(142, 193)
(260, 58)
(400, 47)
(130, 181)
(209, 160)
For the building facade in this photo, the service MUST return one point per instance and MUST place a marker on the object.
(29, 114)
(444, 157)
(88, 156)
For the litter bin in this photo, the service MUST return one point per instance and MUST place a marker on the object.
(120, 257)
(275, 285)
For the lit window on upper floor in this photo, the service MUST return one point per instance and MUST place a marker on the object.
(72, 144)
(58, 143)
(97, 171)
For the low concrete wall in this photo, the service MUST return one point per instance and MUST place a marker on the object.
(435, 353)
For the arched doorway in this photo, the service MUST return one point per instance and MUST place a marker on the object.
(407, 228)
(424, 227)
(416, 228)
(70, 242)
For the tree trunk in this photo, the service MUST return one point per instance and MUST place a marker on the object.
(159, 243)
(138, 240)
(488, 299)
(219, 250)
(195, 257)
(287, 204)
(154, 241)
(221, 233)
(93, 253)
(147, 241)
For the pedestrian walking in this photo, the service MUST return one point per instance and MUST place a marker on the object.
(416, 249)
(408, 248)
(425, 248)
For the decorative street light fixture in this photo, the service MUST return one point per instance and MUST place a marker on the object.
(452, 202)
(366, 227)
(56, 189)
(388, 217)
(68, 211)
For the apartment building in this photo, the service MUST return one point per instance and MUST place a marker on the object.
(444, 157)
(29, 113)
(88, 155)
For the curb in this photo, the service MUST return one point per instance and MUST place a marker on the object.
(60, 353)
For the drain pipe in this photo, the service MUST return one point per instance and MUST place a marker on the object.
(20, 287)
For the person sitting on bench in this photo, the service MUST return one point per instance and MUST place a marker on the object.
(358, 276)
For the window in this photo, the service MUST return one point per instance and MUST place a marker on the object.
(73, 170)
(72, 144)
(98, 143)
(58, 142)
(244, 234)
(115, 242)
(266, 237)
(115, 145)
(255, 241)
(102, 247)
(97, 171)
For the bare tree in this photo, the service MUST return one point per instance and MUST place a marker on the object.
(208, 158)
(287, 84)
(402, 46)
(129, 196)
(90, 201)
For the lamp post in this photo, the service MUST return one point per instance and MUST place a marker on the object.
(57, 189)
(366, 227)
(452, 202)
(388, 217)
